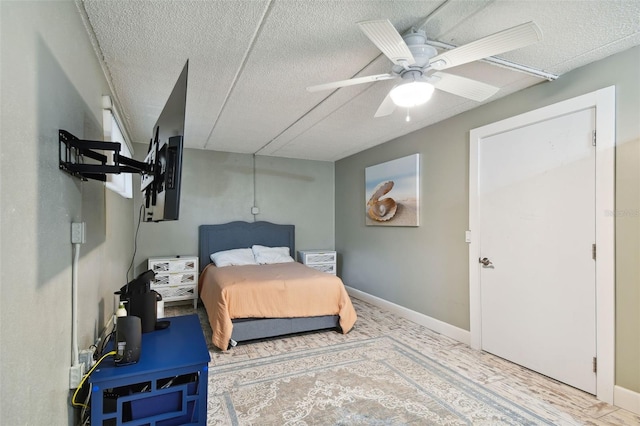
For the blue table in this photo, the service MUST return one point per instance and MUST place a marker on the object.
(167, 386)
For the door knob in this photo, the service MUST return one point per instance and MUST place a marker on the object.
(485, 262)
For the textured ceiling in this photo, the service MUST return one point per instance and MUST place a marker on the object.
(251, 61)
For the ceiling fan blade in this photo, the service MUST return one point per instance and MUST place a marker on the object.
(495, 44)
(384, 35)
(386, 107)
(465, 87)
(351, 82)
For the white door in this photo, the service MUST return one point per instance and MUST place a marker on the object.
(537, 219)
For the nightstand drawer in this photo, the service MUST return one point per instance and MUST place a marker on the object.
(329, 268)
(172, 293)
(181, 278)
(309, 257)
(177, 264)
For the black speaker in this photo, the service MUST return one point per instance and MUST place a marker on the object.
(128, 340)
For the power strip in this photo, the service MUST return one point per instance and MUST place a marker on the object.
(86, 357)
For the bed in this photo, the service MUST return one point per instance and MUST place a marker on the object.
(238, 313)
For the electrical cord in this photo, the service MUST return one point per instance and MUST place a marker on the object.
(73, 398)
(103, 343)
(85, 418)
(135, 243)
(254, 186)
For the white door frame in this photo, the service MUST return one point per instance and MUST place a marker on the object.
(603, 101)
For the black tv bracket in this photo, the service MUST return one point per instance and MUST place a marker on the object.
(73, 151)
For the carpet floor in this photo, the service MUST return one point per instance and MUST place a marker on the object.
(386, 371)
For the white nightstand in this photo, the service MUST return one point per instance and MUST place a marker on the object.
(322, 260)
(176, 278)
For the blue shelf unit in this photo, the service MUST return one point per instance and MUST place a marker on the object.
(167, 386)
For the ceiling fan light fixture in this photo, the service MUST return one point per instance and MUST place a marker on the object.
(412, 93)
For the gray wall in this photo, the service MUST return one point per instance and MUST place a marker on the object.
(50, 80)
(426, 268)
(217, 187)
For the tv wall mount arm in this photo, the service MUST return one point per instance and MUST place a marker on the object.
(73, 151)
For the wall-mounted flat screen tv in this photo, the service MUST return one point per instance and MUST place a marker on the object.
(161, 187)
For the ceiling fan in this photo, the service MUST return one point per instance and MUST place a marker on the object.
(418, 64)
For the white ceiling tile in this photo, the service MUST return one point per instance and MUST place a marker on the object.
(250, 63)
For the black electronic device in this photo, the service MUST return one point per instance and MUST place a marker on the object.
(142, 302)
(138, 285)
(162, 187)
(161, 325)
(161, 170)
(128, 341)
(145, 306)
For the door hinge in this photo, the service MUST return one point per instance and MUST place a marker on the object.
(593, 140)
(593, 251)
(595, 364)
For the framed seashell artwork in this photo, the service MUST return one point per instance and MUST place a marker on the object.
(392, 192)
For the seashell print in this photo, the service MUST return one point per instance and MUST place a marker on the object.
(382, 209)
(380, 190)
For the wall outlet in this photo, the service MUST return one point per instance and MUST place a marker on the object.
(77, 233)
(76, 372)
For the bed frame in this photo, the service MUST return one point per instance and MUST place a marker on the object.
(233, 235)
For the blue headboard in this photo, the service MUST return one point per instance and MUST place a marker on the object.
(232, 235)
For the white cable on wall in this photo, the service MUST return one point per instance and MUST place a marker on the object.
(74, 304)
(254, 188)
(77, 239)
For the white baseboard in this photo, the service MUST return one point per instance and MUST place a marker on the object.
(627, 399)
(431, 323)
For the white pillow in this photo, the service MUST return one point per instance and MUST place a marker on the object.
(233, 257)
(267, 255)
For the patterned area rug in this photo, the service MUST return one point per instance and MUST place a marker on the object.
(377, 381)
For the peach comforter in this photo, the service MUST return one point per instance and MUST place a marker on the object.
(283, 290)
